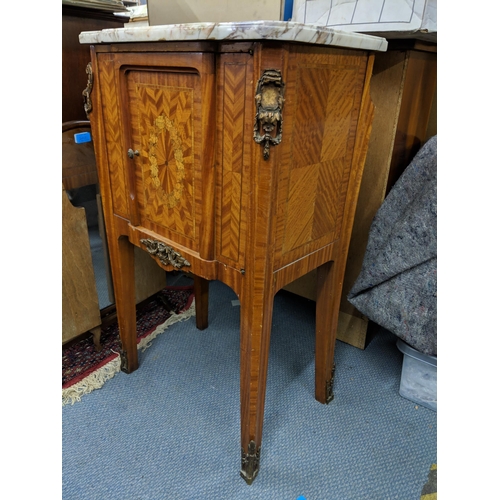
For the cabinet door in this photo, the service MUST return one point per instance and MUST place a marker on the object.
(166, 101)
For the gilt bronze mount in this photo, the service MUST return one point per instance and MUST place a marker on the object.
(166, 254)
(124, 361)
(250, 462)
(329, 387)
(268, 125)
(87, 102)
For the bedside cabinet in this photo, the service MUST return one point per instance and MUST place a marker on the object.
(233, 152)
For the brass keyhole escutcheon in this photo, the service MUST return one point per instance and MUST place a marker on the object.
(132, 153)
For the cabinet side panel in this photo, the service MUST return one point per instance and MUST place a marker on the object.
(323, 97)
(113, 134)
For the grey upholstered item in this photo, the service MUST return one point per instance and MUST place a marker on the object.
(397, 285)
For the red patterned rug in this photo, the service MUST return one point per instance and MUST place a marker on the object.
(84, 369)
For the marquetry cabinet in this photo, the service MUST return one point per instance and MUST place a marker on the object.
(238, 161)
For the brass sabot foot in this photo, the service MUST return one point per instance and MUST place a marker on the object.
(250, 462)
(124, 361)
(329, 387)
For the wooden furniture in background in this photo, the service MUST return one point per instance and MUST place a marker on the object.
(403, 90)
(78, 166)
(78, 160)
(79, 170)
(416, 117)
(80, 303)
(188, 171)
(75, 57)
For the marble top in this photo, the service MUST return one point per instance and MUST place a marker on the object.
(251, 30)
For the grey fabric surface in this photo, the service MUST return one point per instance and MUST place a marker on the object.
(397, 285)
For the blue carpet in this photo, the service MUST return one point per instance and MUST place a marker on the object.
(171, 430)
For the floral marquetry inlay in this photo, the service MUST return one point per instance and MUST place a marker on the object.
(162, 124)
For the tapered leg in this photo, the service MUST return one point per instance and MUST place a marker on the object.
(256, 317)
(201, 302)
(122, 268)
(329, 288)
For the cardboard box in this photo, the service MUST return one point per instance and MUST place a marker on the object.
(216, 11)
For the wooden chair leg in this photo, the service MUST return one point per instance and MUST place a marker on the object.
(201, 302)
(329, 288)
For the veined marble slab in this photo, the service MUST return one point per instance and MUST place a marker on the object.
(254, 30)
